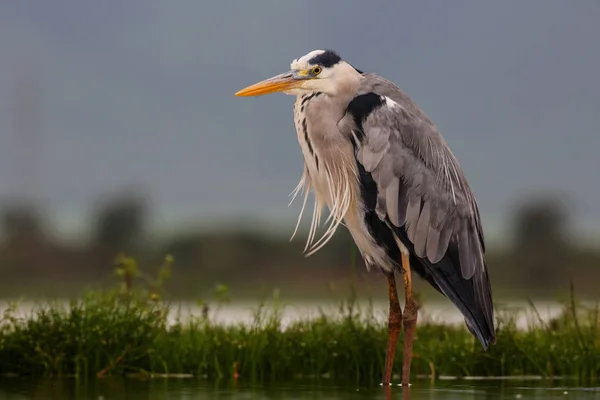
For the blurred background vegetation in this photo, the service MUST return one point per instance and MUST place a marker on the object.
(540, 261)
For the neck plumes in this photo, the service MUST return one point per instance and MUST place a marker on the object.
(335, 186)
(334, 178)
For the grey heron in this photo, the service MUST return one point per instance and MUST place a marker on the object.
(384, 171)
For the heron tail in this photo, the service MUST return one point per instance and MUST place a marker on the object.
(473, 297)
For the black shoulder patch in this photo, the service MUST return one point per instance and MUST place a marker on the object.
(361, 106)
(327, 59)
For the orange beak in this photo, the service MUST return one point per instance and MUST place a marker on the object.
(279, 83)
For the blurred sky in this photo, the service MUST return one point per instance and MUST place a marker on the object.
(139, 94)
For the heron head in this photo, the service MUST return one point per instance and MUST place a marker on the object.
(318, 71)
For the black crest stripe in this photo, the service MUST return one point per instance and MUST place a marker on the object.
(327, 59)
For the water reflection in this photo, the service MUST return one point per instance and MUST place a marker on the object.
(117, 388)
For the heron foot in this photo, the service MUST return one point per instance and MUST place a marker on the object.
(387, 392)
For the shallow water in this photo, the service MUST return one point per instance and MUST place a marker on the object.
(243, 311)
(116, 388)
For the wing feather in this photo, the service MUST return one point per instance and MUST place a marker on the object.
(413, 211)
(433, 242)
(391, 197)
(422, 230)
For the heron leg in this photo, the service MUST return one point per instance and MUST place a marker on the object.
(394, 326)
(410, 320)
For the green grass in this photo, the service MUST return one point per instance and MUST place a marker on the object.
(125, 331)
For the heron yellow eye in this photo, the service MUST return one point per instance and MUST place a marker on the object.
(316, 70)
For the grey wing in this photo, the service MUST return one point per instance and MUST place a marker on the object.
(410, 178)
(420, 184)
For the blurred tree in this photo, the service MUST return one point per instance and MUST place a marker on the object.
(20, 220)
(541, 249)
(25, 240)
(120, 224)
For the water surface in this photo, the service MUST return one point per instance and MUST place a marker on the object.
(117, 388)
(243, 311)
